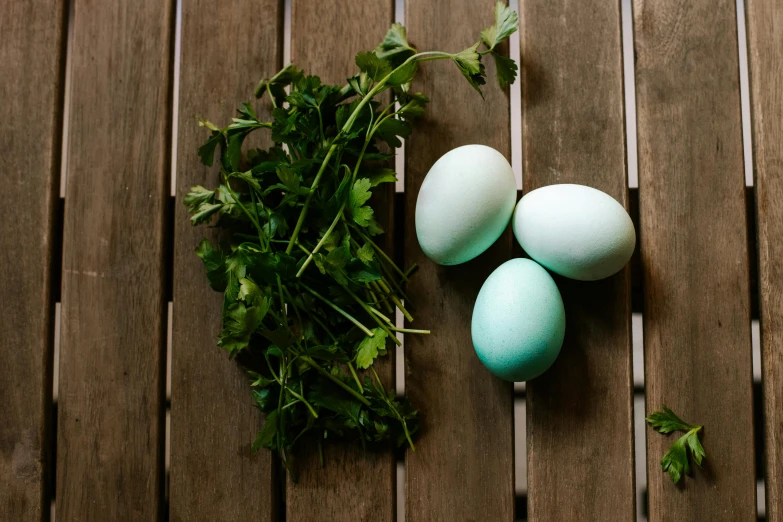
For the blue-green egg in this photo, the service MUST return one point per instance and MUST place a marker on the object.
(518, 321)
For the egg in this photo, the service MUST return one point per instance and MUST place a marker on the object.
(518, 321)
(575, 231)
(464, 204)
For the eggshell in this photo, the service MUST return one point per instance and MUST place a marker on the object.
(575, 231)
(465, 203)
(518, 321)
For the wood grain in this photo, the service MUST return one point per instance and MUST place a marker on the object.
(462, 468)
(111, 401)
(765, 34)
(226, 49)
(573, 132)
(30, 140)
(353, 485)
(694, 252)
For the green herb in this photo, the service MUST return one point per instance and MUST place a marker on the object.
(676, 460)
(309, 296)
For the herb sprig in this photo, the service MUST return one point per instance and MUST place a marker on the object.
(309, 296)
(676, 460)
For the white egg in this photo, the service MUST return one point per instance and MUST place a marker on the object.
(575, 231)
(464, 204)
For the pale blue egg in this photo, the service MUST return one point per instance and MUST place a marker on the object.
(575, 231)
(518, 321)
(464, 204)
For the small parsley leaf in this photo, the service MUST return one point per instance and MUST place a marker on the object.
(676, 460)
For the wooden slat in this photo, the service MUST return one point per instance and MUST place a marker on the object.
(31, 58)
(462, 468)
(573, 132)
(226, 49)
(765, 31)
(694, 252)
(353, 485)
(111, 401)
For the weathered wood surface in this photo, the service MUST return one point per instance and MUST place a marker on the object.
(111, 400)
(353, 485)
(31, 58)
(225, 50)
(462, 468)
(765, 35)
(694, 252)
(573, 132)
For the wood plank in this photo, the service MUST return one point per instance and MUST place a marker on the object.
(111, 401)
(462, 468)
(30, 140)
(765, 35)
(573, 132)
(694, 252)
(214, 475)
(353, 485)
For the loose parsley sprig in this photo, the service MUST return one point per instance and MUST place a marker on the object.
(308, 295)
(676, 460)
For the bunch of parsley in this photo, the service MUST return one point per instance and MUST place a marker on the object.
(309, 296)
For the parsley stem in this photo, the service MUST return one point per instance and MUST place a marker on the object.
(411, 331)
(339, 213)
(379, 314)
(370, 313)
(303, 213)
(378, 87)
(282, 300)
(312, 315)
(280, 416)
(274, 103)
(393, 408)
(355, 377)
(383, 299)
(317, 367)
(274, 375)
(321, 241)
(382, 254)
(338, 310)
(309, 407)
(239, 203)
(396, 301)
(258, 219)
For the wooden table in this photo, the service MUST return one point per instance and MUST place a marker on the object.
(94, 100)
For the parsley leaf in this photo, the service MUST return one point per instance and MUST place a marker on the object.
(360, 193)
(214, 263)
(370, 348)
(506, 23)
(506, 69)
(391, 130)
(469, 63)
(394, 46)
(376, 68)
(365, 253)
(676, 461)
